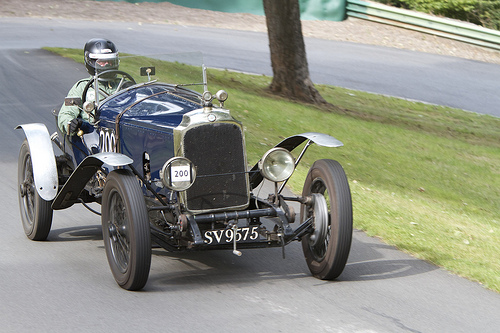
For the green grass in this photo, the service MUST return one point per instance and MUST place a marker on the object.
(424, 178)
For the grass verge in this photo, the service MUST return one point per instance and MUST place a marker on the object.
(424, 178)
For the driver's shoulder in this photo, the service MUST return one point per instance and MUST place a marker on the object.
(82, 81)
(78, 87)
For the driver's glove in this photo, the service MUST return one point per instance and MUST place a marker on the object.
(74, 125)
(79, 126)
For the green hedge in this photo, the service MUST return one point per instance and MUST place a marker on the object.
(481, 12)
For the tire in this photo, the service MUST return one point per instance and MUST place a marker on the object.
(327, 255)
(36, 213)
(125, 229)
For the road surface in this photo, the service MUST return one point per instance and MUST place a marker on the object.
(64, 284)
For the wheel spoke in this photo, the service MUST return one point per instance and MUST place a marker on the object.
(319, 248)
(121, 240)
(29, 190)
(118, 235)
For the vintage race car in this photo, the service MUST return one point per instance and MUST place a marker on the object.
(169, 167)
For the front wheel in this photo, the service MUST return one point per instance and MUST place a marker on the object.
(36, 213)
(125, 229)
(327, 248)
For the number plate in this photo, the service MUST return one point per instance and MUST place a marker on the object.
(180, 173)
(226, 236)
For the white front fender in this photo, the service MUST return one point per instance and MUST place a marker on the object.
(42, 159)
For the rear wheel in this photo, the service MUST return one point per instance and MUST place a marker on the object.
(36, 213)
(326, 249)
(125, 228)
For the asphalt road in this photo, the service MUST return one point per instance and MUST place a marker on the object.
(464, 84)
(64, 284)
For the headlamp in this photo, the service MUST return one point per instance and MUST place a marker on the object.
(88, 106)
(277, 164)
(221, 96)
(207, 96)
(178, 174)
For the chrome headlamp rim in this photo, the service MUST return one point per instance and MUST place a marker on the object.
(207, 96)
(170, 177)
(221, 96)
(277, 164)
(89, 106)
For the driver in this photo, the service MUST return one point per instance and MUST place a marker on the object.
(99, 55)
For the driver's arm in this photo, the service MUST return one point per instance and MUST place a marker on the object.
(68, 113)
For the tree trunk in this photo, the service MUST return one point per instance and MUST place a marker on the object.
(288, 53)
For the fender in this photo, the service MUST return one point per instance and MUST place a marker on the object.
(43, 160)
(71, 190)
(320, 139)
(290, 144)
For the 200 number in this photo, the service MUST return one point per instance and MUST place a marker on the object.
(180, 173)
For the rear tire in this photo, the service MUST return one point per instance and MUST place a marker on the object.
(36, 213)
(125, 228)
(327, 249)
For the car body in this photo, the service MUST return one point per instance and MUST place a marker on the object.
(169, 167)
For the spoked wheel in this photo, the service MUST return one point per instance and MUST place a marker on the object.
(36, 213)
(327, 248)
(125, 229)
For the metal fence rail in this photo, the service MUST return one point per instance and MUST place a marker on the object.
(462, 31)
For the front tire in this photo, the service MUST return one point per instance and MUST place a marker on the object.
(125, 228)
(36, 213)
(327, 249)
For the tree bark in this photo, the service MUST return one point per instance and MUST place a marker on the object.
(288, 53)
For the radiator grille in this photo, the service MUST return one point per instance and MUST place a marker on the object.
(217, 151)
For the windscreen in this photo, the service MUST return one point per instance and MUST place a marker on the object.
(184, 69)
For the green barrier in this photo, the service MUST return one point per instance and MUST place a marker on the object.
(331, 10)
(325, 10)
(453, 29)
(228, 6)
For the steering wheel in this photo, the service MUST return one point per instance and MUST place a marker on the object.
(125, 78)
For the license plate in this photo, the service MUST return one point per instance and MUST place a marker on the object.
(226, 236)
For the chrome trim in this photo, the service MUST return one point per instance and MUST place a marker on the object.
(200, 117)
(42, 159)
(320, 139)
(113, 159)
(290, 144)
